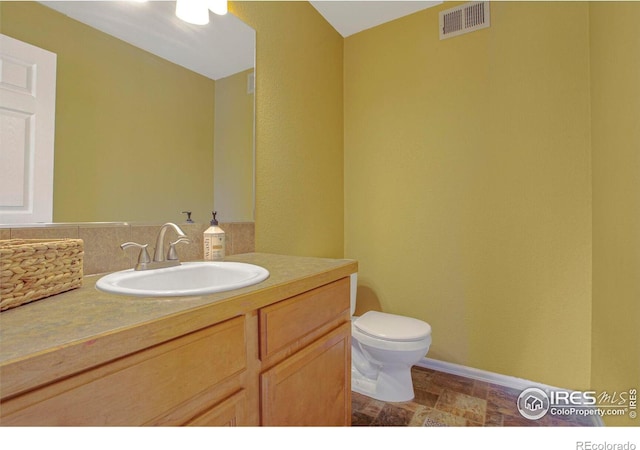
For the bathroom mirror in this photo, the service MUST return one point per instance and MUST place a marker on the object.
(154, 116)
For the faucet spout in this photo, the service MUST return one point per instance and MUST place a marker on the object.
(159, 254)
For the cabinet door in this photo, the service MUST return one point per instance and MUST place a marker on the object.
(313, 386)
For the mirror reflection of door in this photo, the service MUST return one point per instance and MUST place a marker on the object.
(27, 128)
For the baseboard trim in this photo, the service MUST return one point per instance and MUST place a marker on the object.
(480, 375)
(491, 377)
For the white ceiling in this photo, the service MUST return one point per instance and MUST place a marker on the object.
(353, 16)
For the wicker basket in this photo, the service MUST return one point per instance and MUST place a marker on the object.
(31, 269)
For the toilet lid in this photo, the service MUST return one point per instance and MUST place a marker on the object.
(392, 327)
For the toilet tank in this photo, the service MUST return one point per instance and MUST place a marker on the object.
(353, 291)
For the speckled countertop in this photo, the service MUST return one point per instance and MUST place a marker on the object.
(68, 332)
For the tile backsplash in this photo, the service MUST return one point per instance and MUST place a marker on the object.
(102, 252)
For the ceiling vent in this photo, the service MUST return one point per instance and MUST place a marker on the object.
(463, 19)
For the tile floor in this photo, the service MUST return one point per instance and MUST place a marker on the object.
(442, 399)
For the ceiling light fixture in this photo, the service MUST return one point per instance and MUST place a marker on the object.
(193, 11)
(197, 11)
(218, 7)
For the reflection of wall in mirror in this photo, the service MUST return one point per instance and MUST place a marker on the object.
(233, 148)
(131, 145)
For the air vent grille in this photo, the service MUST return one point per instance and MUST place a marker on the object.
(452, 22)
(463, 19)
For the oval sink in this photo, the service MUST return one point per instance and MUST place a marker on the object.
(189, 278)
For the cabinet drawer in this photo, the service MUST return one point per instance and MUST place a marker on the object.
(289, 325)
(135, 389)
(229, 412)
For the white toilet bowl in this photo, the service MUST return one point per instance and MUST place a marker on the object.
(384, 347)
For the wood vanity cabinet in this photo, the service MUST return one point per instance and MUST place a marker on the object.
(287, 363)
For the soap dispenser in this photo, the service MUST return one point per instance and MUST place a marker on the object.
(188, 213)
(214, 241)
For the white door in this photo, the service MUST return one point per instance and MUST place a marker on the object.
(27, 127)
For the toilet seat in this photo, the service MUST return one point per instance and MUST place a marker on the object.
(391, 332)
(391, 327)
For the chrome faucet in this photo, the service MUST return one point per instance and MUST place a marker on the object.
(159, 259)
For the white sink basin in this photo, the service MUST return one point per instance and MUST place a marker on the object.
(189, 278)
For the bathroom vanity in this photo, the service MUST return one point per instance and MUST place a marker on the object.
(275, 353)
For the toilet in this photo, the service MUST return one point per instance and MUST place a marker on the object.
(384, 347)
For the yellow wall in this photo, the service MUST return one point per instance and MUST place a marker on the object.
(615, 105)
(299, 122)
(468, 185)
(125, 120)
(233, 149)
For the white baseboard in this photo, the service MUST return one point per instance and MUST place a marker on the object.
(491, 377)
(480, 375)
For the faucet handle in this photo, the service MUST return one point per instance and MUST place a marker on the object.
(172, 255)
(143, 257)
